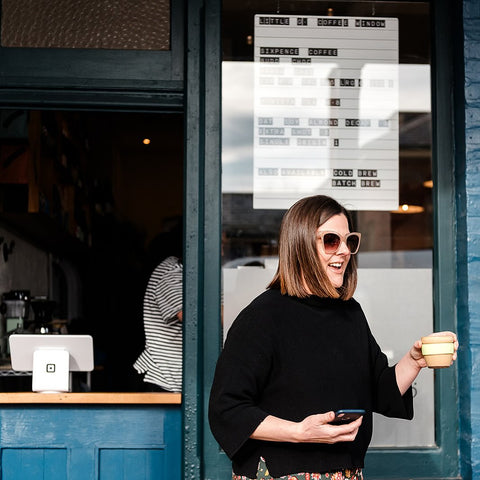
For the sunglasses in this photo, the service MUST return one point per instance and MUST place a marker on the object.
(331, 241)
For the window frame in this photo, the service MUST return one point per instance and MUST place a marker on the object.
(96, 77)
(403, 463)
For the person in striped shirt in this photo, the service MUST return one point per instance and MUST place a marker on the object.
(161, 360)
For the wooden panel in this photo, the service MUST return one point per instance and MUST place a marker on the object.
(14, 160)
(131, 464)
(34, 463)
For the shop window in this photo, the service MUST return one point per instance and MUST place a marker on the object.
(395, 261)
(84, 198)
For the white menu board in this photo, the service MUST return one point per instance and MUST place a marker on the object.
(326, 110)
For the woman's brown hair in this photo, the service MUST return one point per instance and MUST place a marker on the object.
(300, 273)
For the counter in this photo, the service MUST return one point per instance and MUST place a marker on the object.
(125, 398)
(91, 436)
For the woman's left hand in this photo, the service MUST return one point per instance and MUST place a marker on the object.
(416, 350)
(413, 361)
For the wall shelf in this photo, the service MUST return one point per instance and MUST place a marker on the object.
(44, 232)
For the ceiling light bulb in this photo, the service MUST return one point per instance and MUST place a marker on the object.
(406, 208)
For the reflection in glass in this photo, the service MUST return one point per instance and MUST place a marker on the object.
(395, 258)
(391, 239)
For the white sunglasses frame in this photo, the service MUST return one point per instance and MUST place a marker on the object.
(343, 239)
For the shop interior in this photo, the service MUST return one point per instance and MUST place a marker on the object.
(84, 198)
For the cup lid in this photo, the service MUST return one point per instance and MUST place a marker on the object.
(437, 339)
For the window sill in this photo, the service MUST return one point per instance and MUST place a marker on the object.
(92, 398)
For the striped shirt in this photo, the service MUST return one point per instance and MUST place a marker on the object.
(161, 361)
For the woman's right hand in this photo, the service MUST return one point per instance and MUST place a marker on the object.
(317, 429)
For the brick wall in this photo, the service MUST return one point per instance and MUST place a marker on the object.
(469, 314)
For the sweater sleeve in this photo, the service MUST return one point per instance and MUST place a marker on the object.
(386, 396)
(241, 372)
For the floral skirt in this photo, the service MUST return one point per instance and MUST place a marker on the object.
(263, 474)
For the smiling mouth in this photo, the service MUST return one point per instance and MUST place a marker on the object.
(336, 266)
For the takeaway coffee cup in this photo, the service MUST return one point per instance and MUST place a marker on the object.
(438, 350)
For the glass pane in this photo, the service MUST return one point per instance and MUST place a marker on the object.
(395, 259)
(118, 24)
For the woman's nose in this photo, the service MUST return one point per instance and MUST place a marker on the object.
(343, 249)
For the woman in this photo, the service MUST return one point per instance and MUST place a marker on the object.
(302, 350)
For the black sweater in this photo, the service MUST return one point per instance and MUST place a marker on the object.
(291, 358)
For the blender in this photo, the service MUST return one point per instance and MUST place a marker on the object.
(14, 309)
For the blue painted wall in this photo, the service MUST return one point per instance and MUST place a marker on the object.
(468, 214)
(90, 442)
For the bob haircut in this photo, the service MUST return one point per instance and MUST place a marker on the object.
(300, 273)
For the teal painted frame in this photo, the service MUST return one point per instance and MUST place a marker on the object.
(202, 289)
(441, 461)
(194, 212)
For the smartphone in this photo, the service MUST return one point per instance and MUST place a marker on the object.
(346, 416)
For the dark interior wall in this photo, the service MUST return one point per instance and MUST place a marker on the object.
(150, 189)
(146, 180)
(146, 183)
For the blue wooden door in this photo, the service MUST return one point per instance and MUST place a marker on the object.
(90, 442)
